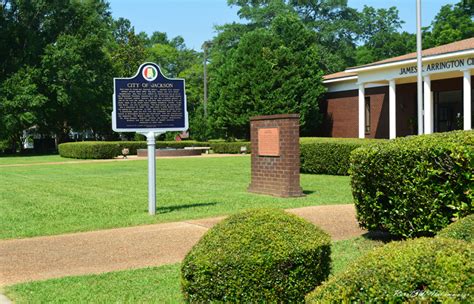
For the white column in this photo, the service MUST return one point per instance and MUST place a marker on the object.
(392, 110)
(467, 99)
(361, 110)
(428, 105)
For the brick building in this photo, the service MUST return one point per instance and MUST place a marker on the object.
(379, 100)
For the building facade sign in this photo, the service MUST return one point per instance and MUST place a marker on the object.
(409, 70)
(440, 66)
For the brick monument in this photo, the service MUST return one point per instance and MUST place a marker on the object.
(276, 155)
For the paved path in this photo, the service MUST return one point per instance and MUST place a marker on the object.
(4, 299)
(134, 247)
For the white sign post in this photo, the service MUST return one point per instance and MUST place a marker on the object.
(151, 104)
(150, 140)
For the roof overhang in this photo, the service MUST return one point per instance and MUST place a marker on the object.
(347, 78)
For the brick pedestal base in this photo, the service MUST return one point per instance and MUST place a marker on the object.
(276, 158)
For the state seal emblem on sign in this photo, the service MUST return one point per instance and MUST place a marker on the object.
(150, 73)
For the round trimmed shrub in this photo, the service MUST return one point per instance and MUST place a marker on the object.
(462, 229)
(257, 256)
(428, 270)
(414, 186)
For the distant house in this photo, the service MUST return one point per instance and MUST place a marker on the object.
(379, 100)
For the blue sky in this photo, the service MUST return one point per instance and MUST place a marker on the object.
(194, 20)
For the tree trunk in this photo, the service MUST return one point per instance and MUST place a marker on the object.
(62, 135)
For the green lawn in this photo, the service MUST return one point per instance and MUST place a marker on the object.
(53, 199)
(344, 252)
(148, 285)
(20, 160)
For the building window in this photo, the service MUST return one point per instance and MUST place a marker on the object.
(367, 115)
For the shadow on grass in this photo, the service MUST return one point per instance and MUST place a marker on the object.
(168, 209)
(382, 236)
(307, 192)
(26, 154)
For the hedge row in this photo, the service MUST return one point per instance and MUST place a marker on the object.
(89, 150)
(318, 155)
(111, 149)
(230, 147)
(330, 155)
(462, 229)
(258, 256)
(415, 185)
(424, 270)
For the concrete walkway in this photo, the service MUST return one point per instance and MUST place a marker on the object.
(134, 247)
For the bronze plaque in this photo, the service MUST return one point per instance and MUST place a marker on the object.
(269, 142)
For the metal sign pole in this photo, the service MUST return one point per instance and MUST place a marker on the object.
(419, 67)
(150, 138)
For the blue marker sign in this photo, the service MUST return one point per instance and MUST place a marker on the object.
(149, 102)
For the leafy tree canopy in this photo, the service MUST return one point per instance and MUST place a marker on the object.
(20, 102)
(271, 71)
(380, 37)
(452, 23)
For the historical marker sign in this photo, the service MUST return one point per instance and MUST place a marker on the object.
(149, 102)
(269, 141)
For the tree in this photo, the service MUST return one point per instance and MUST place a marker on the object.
(127, 50)
(57, 51)
(173, 56)
(380, 36)
(452, 23)
(76, 73)
(396, 44)
(335, 24)
(271, 71)
(76, 77)
(20, 102)
(158, 37)
(176, 60)
(199, 127)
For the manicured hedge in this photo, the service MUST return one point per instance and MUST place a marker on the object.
(462, 229)
(329, 155)
(230, 147)
(259, 256)
(111, 149)
(89, 150)
(425, 270)
(414, 186)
